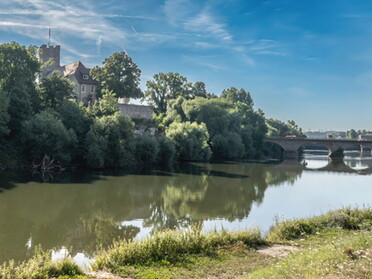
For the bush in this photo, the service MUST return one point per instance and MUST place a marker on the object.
(190, 140)
(45, 134)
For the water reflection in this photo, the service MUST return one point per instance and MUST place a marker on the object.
(87, 210)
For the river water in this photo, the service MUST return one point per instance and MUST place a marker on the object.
(87, 210)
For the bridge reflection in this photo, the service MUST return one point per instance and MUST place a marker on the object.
(322, 163)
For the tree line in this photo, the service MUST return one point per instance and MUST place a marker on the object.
(41, 118)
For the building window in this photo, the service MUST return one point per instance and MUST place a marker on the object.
(92, 89)
(83, 88)
(86, 77)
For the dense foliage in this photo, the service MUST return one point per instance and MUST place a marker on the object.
(42, 119)
(120, 75)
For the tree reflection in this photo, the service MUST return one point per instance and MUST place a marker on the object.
(88, 212)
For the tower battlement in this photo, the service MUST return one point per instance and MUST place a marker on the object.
(51, 52)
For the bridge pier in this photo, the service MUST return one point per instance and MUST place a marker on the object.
(365, 150)
(336, 153)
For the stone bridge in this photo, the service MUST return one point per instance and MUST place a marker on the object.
(291, 146)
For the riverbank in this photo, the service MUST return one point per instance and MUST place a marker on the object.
(335, 245)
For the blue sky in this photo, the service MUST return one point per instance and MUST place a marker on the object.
(310, 61)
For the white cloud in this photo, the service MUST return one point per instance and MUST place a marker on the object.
(205, 23)
(177, 10)
(32, 18)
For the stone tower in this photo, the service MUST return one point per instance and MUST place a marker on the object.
(53, 53)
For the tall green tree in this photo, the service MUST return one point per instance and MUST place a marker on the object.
(55, 89)
(19, 68)
(198, 90)
(120, 75)
(237, 95)
(165, 87)
(18, 65)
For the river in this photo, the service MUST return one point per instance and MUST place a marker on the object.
(87, 210)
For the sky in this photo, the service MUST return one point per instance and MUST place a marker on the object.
(308, 60)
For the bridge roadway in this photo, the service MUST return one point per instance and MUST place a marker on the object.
(336, 147)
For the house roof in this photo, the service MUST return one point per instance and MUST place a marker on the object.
(77, 69)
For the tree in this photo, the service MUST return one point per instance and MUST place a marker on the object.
(165, 87)
(74, 117)
(217, 114)
(167, 151)
(352, 134)
(4, 115)
(18, 70)
(119, 75)
(45, 134)
(18, 65)
(54, 90)
(107, 140)
(199, 90)
(105, 106)
(235, 95)
(145, 150)
(191, 141)
(227, 146)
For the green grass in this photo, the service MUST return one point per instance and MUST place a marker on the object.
(346, 218)
(338, 255)
(228, 262)
(171, 247)
(337, 244)
(41, 266)
(326, 242)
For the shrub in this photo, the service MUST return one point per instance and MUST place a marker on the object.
(190, 140)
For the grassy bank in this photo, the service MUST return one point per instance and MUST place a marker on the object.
(335, 245)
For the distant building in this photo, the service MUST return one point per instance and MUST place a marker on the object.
(85, 86)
